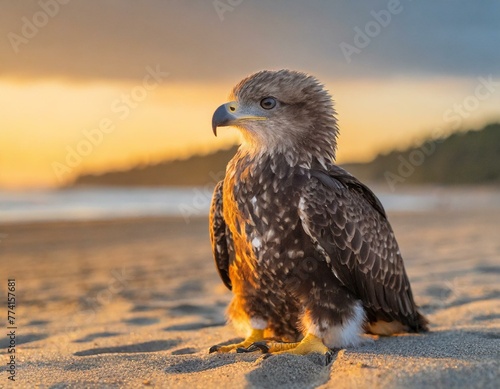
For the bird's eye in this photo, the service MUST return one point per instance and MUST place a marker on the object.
(268, 103)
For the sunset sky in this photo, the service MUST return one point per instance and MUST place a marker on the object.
(89, 85)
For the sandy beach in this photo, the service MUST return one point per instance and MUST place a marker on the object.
(137, 303)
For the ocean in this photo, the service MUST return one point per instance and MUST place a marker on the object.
(106, 203)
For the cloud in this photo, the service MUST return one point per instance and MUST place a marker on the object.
(90, 40)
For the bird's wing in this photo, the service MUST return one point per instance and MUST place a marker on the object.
(218, 236)
(347, 224)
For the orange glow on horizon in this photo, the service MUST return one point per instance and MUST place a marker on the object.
(44, 122)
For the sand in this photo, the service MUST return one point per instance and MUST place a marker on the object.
(137, 303)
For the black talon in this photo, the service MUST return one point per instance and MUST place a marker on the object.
(241, 350)
(329, 357)
(262, 346)
(214, 349)
(252, 348)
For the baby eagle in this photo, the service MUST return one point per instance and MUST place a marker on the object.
(305, 247)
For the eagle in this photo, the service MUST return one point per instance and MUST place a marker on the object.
(306, 248)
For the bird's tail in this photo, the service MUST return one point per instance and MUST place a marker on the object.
(419, 323)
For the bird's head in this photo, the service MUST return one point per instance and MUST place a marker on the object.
(283, 111)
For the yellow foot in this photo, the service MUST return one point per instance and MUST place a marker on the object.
(310, 344)
(255, 336)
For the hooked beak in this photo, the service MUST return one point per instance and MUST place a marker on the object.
(229, 114)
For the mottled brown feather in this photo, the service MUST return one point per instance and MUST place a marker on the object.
(364, 256)
(218, 236)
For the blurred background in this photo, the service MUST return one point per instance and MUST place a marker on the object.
(108, 163)
(110, 100)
